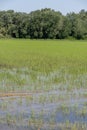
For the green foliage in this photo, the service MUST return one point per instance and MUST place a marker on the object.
(43, 24)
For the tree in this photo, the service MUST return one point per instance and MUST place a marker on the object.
(43, 24)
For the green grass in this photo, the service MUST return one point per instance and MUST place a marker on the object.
(56, 69)
(44, 55)
(38, 65)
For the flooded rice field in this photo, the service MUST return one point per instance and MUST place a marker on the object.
(57, 101)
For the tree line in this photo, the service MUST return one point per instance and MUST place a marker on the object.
(43, 24)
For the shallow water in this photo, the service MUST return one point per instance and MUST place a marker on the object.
(56, 102)
(73, 110)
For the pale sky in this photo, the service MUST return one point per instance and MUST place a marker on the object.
(64, 6)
